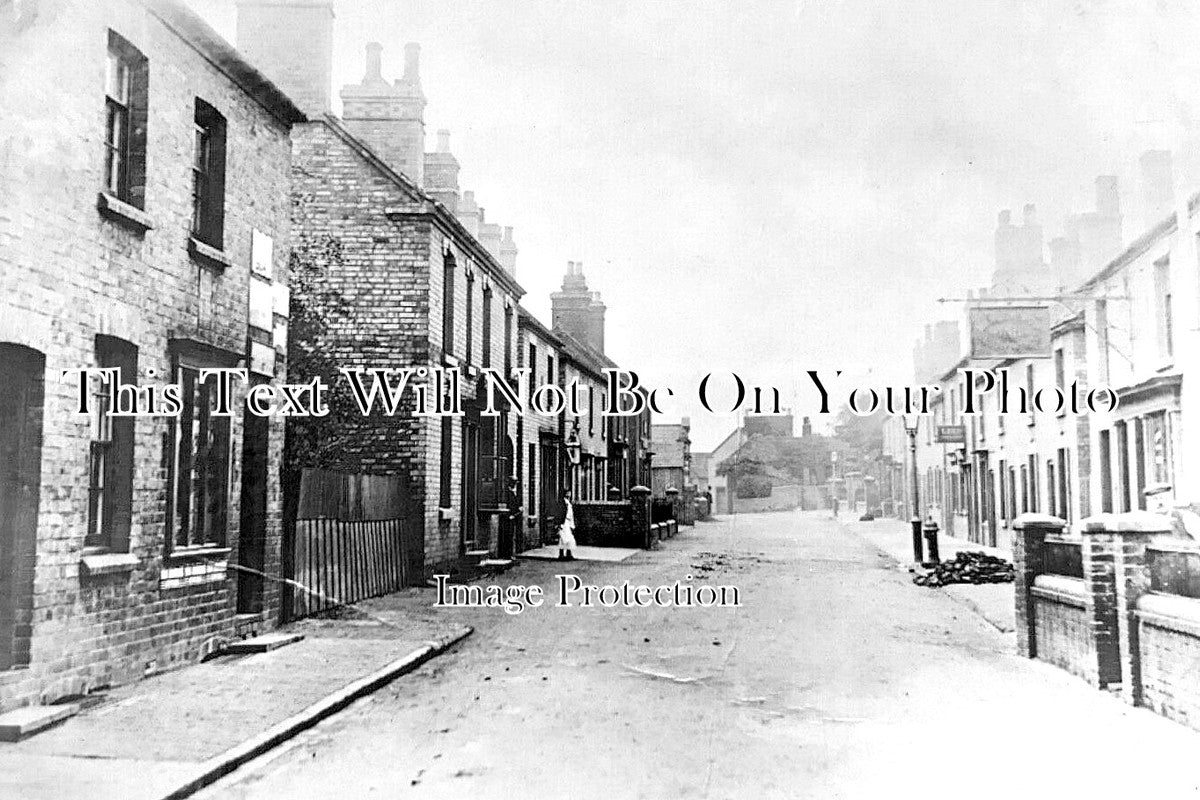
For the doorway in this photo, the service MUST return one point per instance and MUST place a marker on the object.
(549, 489)
(470, 478)
(252, 536)
(22, 389)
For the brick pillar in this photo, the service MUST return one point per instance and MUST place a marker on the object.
(1131, 533)
(1029, 539)
(687, 505)
(639, 498)
(1100, 585)
(673, 497)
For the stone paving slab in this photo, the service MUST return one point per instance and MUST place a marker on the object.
(992, 601)
(584, 553)
(37, 777)
(167, 730)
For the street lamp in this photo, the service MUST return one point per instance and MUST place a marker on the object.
(573, 448)
(910, 427)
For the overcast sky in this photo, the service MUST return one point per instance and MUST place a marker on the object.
(768, 186)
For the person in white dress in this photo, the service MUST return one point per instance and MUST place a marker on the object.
(566, 531)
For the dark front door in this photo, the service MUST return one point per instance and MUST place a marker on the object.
(252, 538)
(470, 479)
(548, 494)
(21, 395)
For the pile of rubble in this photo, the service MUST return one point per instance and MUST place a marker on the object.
(968, 566)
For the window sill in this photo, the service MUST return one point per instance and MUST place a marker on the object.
(447, 513)
(449, 360)
(99, 563)
(123, 213)
(192, 555)
(208, 255)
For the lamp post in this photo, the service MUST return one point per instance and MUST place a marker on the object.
(910, 427)
(573, 447)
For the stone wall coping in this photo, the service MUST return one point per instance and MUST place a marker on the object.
(1060, 589)
(1031, 520)
(1129, 522)
(1170, 611)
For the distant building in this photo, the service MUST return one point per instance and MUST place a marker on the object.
(769, 424)
(672, 465)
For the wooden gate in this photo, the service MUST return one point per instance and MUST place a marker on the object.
(355, 536)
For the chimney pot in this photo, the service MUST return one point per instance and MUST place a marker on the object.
(412, 62)
(374, 70)
(443, 140)
(508, 233)
(1005, 217)
(1030, 214)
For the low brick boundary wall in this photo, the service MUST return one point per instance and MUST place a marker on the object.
(606, 524)
(1062, 634)
(1169, 653)
(617, 523)
(1133, 619)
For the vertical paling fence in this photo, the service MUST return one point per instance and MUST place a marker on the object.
(352, 539)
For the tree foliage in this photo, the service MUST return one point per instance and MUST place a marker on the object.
(319, 312)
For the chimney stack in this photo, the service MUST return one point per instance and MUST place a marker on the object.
(1020, 261)
(292, 43)
(441, 173)
(508, 252)
(468, 213)
(389, 118)
(578, 310)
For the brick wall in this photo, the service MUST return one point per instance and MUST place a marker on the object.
(388, 270)
(1064, 637)
(67, 273)
(606, 525)
(1169, 650)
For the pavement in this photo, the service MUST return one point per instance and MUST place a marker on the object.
(992, 601)
(581, 553)
(172, 733)
(835, 677)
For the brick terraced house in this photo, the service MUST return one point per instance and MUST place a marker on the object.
(414, 281)
(144, 230)
(402, 270)
(598, 457)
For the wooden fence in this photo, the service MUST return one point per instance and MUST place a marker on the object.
(325, 494)
(346, 561)
(355, 536)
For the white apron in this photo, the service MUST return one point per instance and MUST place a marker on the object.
(566, 531)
